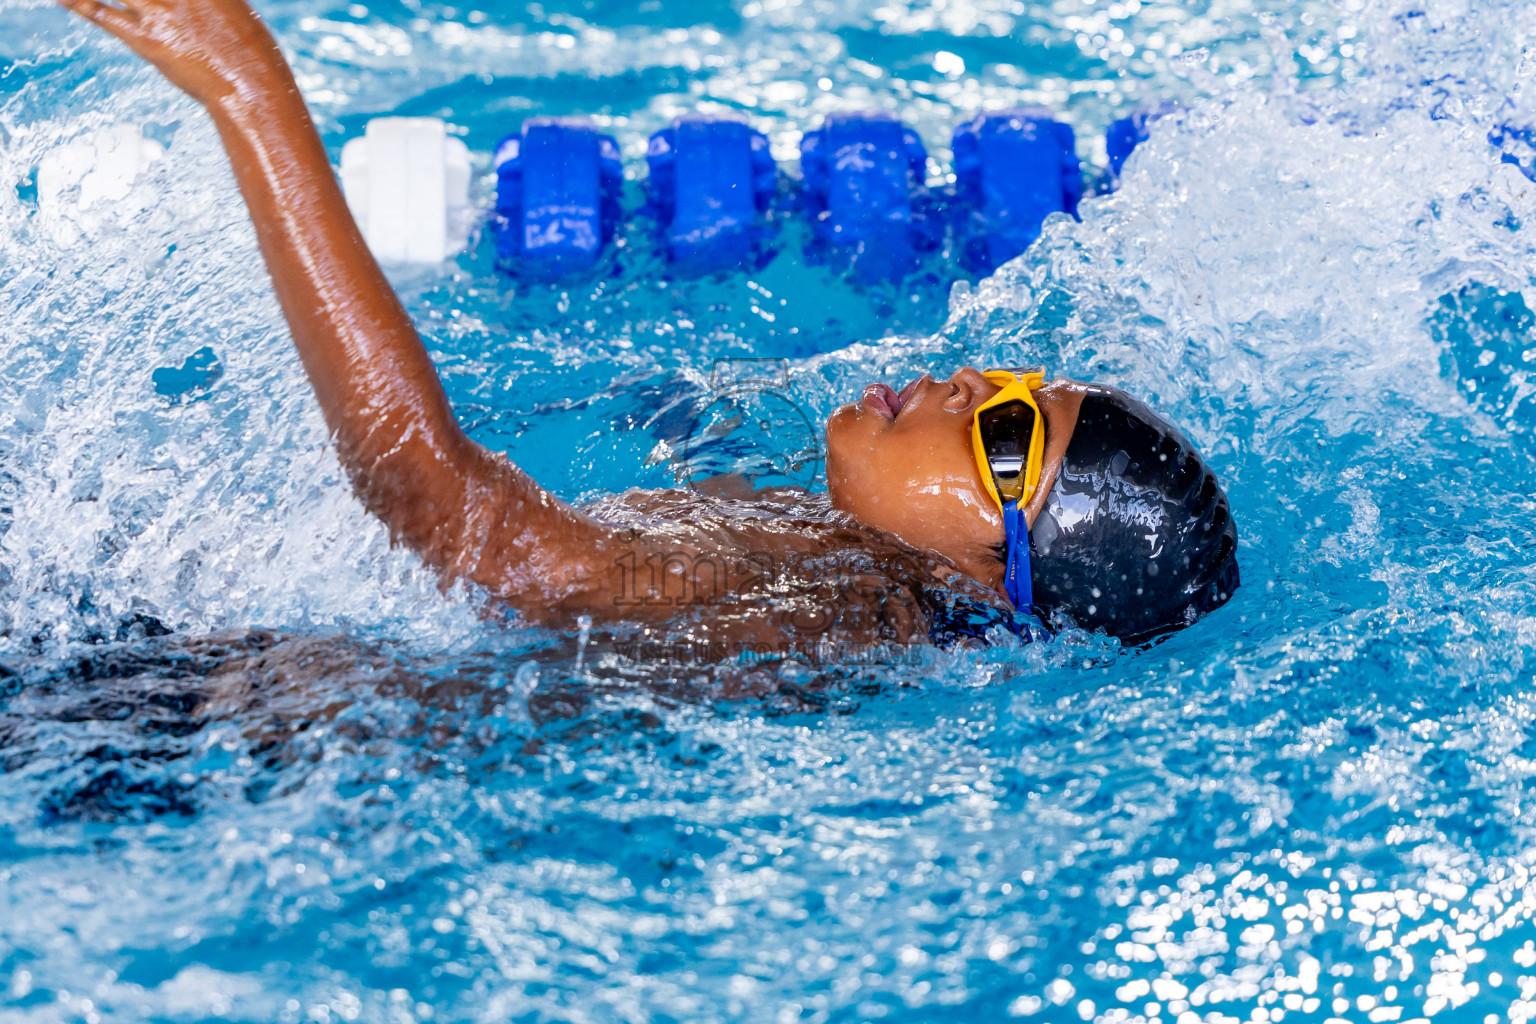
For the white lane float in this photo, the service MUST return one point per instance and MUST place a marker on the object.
(407, 183)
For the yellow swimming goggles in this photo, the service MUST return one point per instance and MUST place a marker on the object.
(1008, 436)
(1008, 439)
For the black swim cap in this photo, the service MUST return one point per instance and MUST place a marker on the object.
(1136, 537)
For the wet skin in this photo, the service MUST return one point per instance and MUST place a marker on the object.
(902, 462)
(908, 507)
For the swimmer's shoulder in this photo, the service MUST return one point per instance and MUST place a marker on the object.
(809, 572)
(741, 489)
(713, 502)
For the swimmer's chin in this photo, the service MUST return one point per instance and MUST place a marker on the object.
(845, 416)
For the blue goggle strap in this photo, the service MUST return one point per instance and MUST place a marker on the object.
(1016, 533)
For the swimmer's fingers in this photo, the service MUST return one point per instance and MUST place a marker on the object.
(120, 22)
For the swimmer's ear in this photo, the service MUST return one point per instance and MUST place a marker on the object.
(120, 22)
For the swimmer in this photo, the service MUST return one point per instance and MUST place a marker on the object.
(953, 505)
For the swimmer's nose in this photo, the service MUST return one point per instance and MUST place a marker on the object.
(970, 390)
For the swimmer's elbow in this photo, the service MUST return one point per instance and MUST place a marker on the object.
(474, 515)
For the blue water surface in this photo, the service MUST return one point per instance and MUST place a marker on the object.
(255, 766)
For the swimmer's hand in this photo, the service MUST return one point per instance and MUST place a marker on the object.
(206, 48)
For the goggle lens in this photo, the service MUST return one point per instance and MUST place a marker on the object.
(1005, 436)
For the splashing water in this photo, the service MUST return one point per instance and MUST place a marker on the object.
(334, 792)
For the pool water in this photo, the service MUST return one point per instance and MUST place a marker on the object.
(254, 765)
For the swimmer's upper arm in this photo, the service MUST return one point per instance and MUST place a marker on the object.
(465, 509)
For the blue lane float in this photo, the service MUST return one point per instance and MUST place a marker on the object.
(558, 182)
(1125, 134)
(1121, 140)
(713, 187)
(864, 189)
(1013, 168)
(711, 183)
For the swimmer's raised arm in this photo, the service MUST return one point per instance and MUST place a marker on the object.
(467, 510)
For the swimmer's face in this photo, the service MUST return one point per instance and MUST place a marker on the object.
(902, 462)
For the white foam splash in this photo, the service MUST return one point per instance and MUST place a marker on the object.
(225, 508)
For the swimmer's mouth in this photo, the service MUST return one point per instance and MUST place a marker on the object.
(886, 400)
